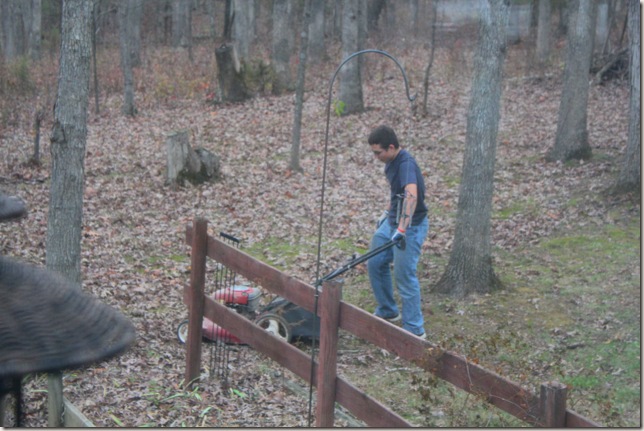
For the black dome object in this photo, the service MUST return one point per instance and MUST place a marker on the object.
(47, 324)
(11, 207)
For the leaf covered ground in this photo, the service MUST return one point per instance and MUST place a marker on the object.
(567, 250)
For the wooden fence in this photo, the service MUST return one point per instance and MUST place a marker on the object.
(546, 410)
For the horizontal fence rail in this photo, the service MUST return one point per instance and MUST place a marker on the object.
(548, 409)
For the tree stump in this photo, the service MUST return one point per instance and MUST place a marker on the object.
(184, 163)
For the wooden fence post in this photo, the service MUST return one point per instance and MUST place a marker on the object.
(196, 300)
(329, 323)
(553, 404)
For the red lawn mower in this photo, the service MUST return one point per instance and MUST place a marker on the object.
(280, 317)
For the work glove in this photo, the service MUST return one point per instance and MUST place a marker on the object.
(399, 239)
(382, 219)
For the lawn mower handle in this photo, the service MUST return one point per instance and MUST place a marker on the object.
(358, 260)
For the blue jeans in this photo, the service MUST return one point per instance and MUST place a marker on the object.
(405, 263)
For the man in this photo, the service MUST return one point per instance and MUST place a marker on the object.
(404, 222)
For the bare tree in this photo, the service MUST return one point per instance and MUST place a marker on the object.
(20, 28)
(350, 74)
(125, 10)
(282, 45)
(431, 57)
(630, 175)
(470, 264)
(317, 47)
(33, 25)
(571, 141)
(543, 32)
(68, 140)
(299, 88)
(182, 25)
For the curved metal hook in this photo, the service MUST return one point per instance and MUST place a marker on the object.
(326, 135)
(376, 51)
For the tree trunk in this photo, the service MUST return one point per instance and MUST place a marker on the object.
(571, 141)
(299, 88)
(602, 26)
(182, 25)
(35, 30)
(133, 22)
(317, 47)
(470, 265)
(543, 32)
(243, 30)
(68, 140)
(630, 175)
(282, 46)
(350, 75)
(231, 82)
(14, 37)
(124, 11)
(431, 58)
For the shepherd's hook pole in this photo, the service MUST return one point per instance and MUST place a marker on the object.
(326, 146)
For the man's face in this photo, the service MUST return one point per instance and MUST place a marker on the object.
(384, 155)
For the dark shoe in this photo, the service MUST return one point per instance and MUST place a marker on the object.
(390, 319)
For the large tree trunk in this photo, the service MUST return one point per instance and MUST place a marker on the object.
(243, 29)
(470, 265)
(282, 46)
(350, 75)
(571, 141)
(317, 47)
(68, 139)
(630, 175)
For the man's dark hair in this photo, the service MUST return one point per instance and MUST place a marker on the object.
(383, 136)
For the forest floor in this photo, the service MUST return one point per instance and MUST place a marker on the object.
(566, 248)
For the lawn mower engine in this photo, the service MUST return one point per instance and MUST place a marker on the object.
(242, 299)
(280, 317)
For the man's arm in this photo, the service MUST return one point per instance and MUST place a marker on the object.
(408, 206)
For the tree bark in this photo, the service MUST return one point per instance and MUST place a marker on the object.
(68, 141)
(543, 32)
(350, 74)
(243, 27)
(317, 47)
(630, 175)
(431, 58)
(125, 9)
(299, 89)
(470, 265)
(181, 23)
(35, 29)
(282, 45)
(571, 141)
(14, 37)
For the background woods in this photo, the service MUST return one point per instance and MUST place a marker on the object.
(559, 227)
